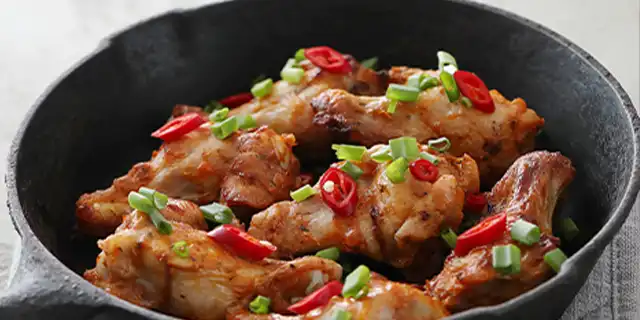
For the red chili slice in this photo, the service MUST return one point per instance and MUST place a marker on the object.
(475, 202)
(344, 197)
(424, 170)
(328, 59)
(241, 243)
(474, 88)
(179, 126)
(318, 298)
(237, 99)
(485, 232)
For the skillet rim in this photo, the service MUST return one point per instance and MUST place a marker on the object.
(595, 245)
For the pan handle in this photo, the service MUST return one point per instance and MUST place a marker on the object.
(39, 289)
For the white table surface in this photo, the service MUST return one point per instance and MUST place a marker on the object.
(41, 39)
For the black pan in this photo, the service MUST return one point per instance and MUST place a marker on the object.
(94, 123)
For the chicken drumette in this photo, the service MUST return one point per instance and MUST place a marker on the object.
(391, 220)
(138, 264)
(250, 170)
(529, 190)
(494, 140)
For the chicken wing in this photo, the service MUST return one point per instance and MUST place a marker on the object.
(287, 108)
(390, 221)
(494, 140)
(138, 264)
(385, 300)
(529, 190)
(250, 169)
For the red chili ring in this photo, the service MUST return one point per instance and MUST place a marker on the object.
(328, 59)
(485, 232)
(475, 202)
(474, 88)
(344, 197)
(424, 170)
(179, 126)
(237, 99)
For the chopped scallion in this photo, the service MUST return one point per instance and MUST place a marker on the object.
(434, 144)
(258, 79)
(303, 193)
(340, 314)
(219, 115)
(383, 155)
(393, 105)
(525, 232)
(429, 157)
(332, 253)
(262, 88)
(349, 152)
(429, 82)
(445, 59)
(246, 122)
(555, 258)
(506, 259)
(402, 93)
(160, 222)
(260, 305)
(225, 128)
(217, 213)
(450, 86)
(569, 229)
(405, 147)
(140, 202)
(159, 200)
(396, 170)
(371, 63)
(355, 281)
(299, 56)
(415, 80)
(449, 237)
(353, 170)
(466, 102)
(181, 249)
(292, 75)
(450, 69)
(363, 292)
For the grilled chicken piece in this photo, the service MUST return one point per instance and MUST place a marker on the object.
(529, 190)
(138, 264)
(287, 108)
(494, 140)
(385, 300)
(249, 170)
(390, 221)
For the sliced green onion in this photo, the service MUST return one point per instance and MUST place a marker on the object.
(292, 75)
(291, 63)
(262, 88)
(429, 157)
(160, 200)
(355, 281)
(429, 82)
(383, 155)
(362, 293)
(445, 59)
(299, 56)
(506, 259)
(219, 115)
(393, 105)
(160, 222)
(340, 314)
(140, 202)
(402, 93)
(332, 253)
(217, 213)
(246, 122)
(225, 128)
(525, 232)
(260, 305)
(415, 80)
(349, 152)
(404, 147)
(354, 171)
(212, 106)
(259, 78)
(555, 258)
(147, 192)
(449, 237)
(466, 102)
(181, 249)
(395, 170)
(569, 229)
(371, 63)
(450, 69)
(433, 144)
(450, 86)
(303, 193)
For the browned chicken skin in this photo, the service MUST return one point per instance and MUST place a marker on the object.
(494, 140)
(138, 264)
(250, 169)
(529, 190)
(385, 300)
(390, 223)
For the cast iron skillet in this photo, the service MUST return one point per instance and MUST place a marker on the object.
(94, 123)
